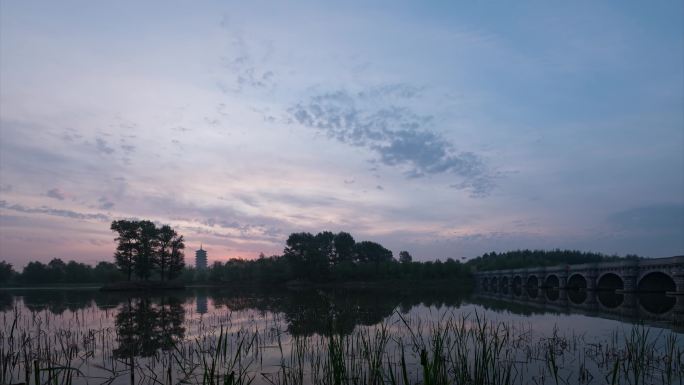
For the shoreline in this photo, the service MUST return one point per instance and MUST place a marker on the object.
(134, 286)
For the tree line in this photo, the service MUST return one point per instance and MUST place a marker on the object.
(327, 256)
(518, 259)
(143, 249)
(146, 251)
(59, 272)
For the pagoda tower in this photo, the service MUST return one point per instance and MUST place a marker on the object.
(200, 259)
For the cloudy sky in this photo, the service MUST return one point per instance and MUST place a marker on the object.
(449, 129)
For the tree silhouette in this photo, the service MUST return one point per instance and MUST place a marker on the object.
(162, 254)
(367, 251)
(125, 254)
(145, 249)
(344, 247)
(56, 269)
(6, 272)
(35, 272)
(177, 257)
(405, 257)
(142, 248)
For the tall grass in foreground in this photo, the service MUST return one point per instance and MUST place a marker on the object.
(228, 350)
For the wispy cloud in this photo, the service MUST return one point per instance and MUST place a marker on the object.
(102, 146)
(237, 223)
(104, 203)
(56, 194)
(245, 61)
(398, 136)
(54, 212)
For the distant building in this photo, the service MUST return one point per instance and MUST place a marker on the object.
(200, 259)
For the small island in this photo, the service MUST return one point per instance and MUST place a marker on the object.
(145, 251)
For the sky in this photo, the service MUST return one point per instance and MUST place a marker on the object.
(448, 129)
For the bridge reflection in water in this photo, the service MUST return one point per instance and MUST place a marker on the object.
(640, 290)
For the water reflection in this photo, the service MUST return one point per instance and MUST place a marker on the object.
(657, 303)
(610, 299)
(306, 311)
(577, 296)
(608, 302)
(552, 293)
(202, 304)
(310, 312)
(143, 331)
(6, 301)
(57, 301)
(144, 325)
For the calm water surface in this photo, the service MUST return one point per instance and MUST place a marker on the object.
(279, 336)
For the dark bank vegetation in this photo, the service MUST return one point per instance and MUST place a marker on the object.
(146, 252)
(330, 257)
(59, 272)
(534, 258)
(144, 249)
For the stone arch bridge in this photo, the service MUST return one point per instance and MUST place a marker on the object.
(629, 276)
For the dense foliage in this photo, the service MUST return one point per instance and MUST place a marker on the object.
(58, 272)
(326, 257)
(276, 269)
(532, 258)
(144, 249)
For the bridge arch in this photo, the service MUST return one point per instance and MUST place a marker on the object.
(494, 284)
(517, 285)
(652, 288)
(656, 282)
(552, 281)
(577, 288)
(610, 282)
(577, 281)
(485, 284)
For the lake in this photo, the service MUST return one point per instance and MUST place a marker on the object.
(338, 336)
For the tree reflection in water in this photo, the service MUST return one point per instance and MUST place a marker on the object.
(158, 321)
(338, 311)
(143, 326)
(6, 301)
